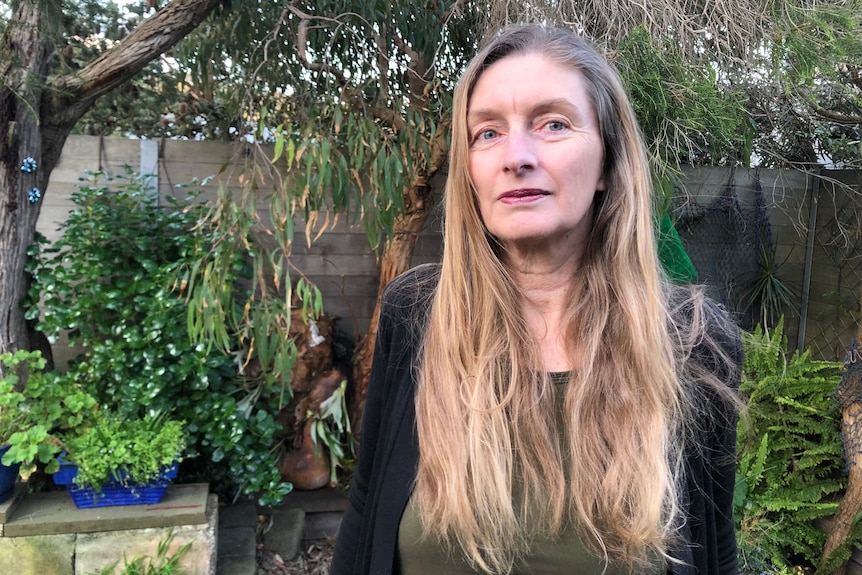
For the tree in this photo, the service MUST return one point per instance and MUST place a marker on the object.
(356, 97)
(40, 103)
(361, 110)
(804, 88)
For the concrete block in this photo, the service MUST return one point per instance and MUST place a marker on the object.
(53, 513)
(242, 514)
(38, 555)
(285, 533)
(322, 525)
(95, 551)
(237, 542)
(236, 566)
(317, 501)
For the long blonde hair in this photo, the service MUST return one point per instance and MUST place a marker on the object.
(496, 467)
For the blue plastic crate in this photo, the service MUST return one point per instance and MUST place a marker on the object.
(114, 493)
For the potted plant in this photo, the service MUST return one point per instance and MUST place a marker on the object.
(32, 412)
(120, 460)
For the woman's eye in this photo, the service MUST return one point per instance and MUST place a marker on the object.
(487, 135)
(555, 126)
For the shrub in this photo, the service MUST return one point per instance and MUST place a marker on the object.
(109, 282)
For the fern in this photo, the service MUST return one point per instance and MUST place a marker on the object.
(791, 468)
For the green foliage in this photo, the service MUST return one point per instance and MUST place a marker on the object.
(220, 316)
(158, 102)
(32, 415)
(124, 449)
(685, 115)
(111, 281)
(330, 427)
(344, 161)
(161, 564)
(805, 99)
(791, 468)
(769, 294)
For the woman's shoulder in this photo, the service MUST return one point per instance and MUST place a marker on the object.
(709, 336)
(409, 295)
(415, 286)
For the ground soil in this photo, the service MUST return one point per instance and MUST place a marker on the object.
(314, 559)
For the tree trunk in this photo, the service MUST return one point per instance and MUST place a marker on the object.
(850, 397)
(396, 259)
(397, 255)
(25, 63)
(37, 113)
(851, 503)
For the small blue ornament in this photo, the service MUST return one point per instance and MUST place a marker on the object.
(29, 165)
(34, 195)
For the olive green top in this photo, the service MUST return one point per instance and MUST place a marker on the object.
(564, 554)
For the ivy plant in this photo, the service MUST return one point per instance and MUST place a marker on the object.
(791, 468)
(111, 283)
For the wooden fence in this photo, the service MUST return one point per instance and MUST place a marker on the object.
(813, 223)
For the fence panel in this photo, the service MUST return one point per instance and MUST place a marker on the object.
(724, 215)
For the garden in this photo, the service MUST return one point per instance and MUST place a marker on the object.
(203, 348)
(144, 404)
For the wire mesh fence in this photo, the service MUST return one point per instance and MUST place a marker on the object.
(774, 243)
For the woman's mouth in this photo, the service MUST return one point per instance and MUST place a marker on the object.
(523, 196)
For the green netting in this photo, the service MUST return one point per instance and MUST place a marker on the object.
(671, 253)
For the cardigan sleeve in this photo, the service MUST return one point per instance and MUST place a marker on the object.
(723, 465)
(352, 534)
(724, 476)
(711, 466)
(386, 452)
(723, 453)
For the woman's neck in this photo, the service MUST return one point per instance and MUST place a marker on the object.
(546, 294)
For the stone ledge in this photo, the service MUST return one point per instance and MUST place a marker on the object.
(55, 513)
(8, 506)
(39, 555)
(79, 554)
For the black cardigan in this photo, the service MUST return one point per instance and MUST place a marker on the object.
(388, 456)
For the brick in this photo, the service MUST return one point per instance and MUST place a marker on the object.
(237, 542)
(285, 534)
(7, 508)
(242, 514)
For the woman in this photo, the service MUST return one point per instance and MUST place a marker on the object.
(543, 401)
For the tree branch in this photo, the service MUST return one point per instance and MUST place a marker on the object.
(836, 117)
(153, 37)
(302, 48)
(830, 115)
(418, 68)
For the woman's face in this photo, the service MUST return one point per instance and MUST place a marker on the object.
(535, 154)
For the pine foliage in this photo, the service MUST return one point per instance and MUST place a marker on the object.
(791, 467)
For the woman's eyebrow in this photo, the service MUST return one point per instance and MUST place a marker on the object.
(544, 106)
(557, 105)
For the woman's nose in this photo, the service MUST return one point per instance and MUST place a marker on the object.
(520, 153)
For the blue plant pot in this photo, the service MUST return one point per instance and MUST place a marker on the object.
(113, 493)
(8, 477)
